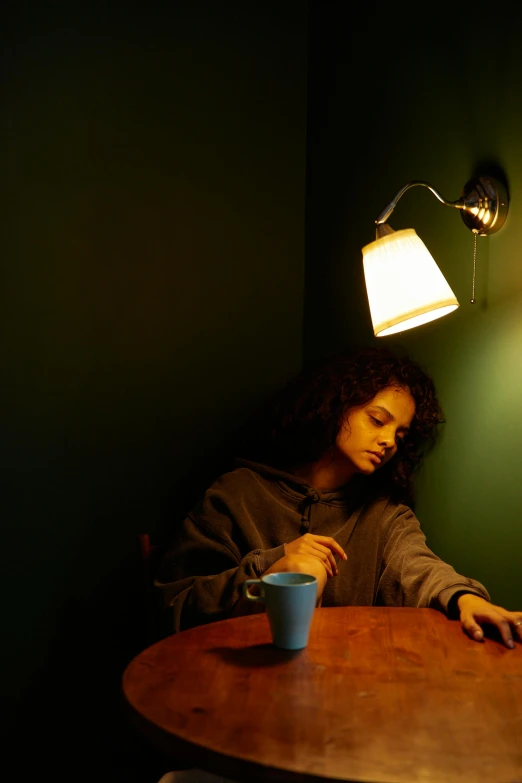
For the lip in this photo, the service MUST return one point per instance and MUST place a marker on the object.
(376, 457)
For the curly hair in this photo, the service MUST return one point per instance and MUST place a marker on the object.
(307, 415)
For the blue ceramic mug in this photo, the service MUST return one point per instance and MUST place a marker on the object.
(290, 600)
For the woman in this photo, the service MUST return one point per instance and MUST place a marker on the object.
(327, 489)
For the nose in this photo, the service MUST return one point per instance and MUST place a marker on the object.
(386, 441)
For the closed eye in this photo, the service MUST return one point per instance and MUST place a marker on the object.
(399, 439)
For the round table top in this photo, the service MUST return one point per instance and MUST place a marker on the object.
(390, 695)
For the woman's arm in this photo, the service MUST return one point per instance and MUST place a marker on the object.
(201, 575)
(413, 575)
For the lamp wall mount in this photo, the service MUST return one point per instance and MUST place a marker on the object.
(483, 205)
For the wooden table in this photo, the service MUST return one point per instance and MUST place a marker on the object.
(380, 694)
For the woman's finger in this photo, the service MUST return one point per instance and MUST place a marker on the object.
(504, 628)
(474, 630)
(330, 543)
(321, 555)
(328, 554)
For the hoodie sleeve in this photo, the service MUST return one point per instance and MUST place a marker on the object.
(412, 575)
(216, 549)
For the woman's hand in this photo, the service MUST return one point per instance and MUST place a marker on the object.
(324, 548)
(476, 611)
(311, 554)
(302, 564)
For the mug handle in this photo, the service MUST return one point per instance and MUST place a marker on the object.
(247, 593)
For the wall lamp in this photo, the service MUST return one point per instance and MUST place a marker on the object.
(404, 284)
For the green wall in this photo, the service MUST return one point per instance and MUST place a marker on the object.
(394, 97)
(153, 285)
(152, 294)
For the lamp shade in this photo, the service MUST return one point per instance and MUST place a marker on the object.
(404, 284)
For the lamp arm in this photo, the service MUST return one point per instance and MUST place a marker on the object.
(386, 212)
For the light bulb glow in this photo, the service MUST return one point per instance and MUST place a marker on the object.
(404, 284)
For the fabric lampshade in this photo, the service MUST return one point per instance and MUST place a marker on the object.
(404, 284)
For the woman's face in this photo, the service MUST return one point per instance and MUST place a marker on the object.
(372, 432)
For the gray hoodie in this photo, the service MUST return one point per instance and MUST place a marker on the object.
(240, 527)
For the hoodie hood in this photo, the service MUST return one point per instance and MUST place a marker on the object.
(303, 492)
(344, 495)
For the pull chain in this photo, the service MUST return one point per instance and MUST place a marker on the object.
(475, 232)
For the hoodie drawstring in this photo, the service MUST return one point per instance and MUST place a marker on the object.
(312, 496)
